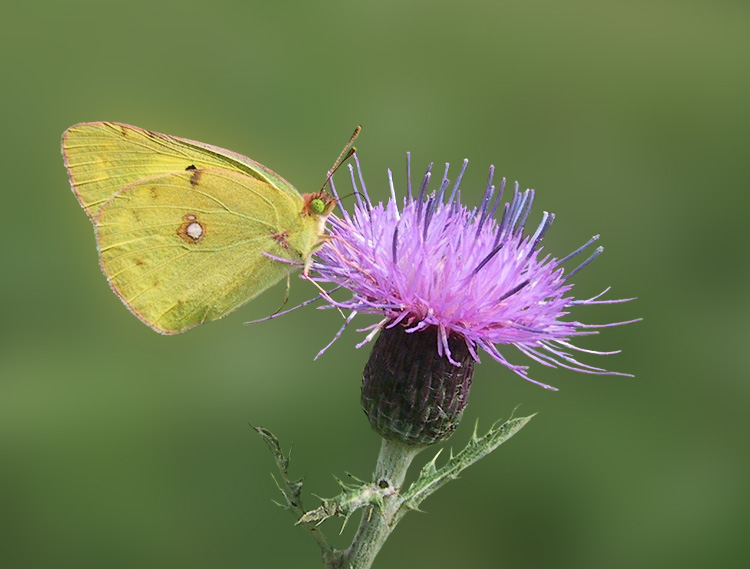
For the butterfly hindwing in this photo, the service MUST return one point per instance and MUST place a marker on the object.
(189, 246)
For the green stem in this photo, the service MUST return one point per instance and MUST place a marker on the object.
(378, 521)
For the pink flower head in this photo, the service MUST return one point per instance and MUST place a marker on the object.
(434, 263)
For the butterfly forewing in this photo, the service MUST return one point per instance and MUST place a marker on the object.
(104, 157)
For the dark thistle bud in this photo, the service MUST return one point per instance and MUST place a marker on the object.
(410, 393)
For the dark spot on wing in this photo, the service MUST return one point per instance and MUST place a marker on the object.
(281, 238)
(191, 167)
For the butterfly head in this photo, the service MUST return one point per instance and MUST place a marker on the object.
(318, 204)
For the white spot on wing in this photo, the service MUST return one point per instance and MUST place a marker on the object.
(194, 230)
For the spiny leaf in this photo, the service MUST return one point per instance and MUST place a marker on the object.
(431, 478)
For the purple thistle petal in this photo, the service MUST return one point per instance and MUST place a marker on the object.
(437, 264)
(362, 180)
(458, 181)
(408, 176)
(344, 326)
(598, 251)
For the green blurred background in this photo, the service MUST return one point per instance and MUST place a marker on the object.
(120, 448)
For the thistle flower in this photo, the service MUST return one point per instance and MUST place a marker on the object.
(435, 268)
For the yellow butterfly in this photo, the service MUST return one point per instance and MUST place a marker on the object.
(183, 228)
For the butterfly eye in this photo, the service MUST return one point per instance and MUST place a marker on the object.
(317, 206)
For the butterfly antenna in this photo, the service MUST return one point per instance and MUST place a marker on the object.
(348, 150)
